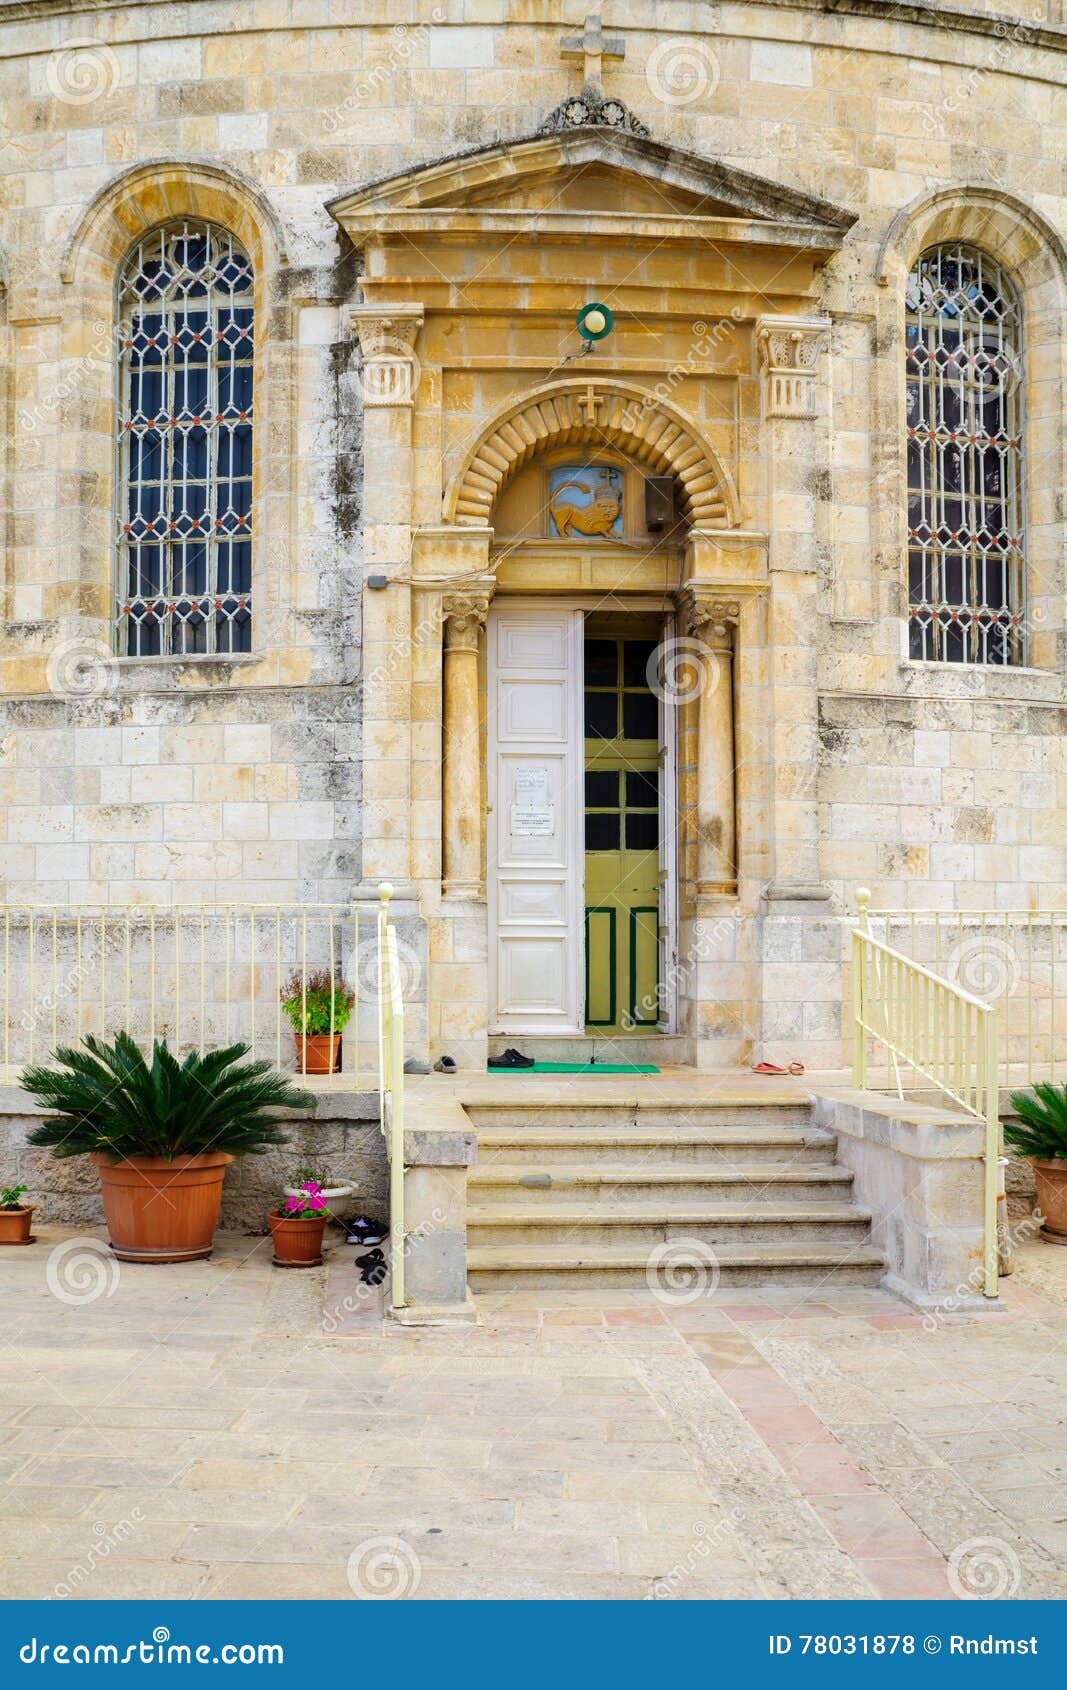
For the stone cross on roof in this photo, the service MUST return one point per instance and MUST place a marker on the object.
(592, 47)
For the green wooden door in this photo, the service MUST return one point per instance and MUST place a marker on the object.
(622, 822)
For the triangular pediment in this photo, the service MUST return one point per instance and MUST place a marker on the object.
(588, 179)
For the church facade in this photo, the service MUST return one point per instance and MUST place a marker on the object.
(601, 476)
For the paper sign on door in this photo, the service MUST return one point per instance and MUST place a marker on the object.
(531, 813)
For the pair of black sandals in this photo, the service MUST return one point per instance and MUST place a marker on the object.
(370, 1235)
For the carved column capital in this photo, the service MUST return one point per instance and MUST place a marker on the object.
(464, 616)
(789, 350)
(708, 617)
(387, 335)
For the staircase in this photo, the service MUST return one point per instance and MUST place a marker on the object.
(580, 1195)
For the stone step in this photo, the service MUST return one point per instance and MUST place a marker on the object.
(597, 1182)
(656, 1112)
(719, 1225)
(510, 1267)
(682, 1142)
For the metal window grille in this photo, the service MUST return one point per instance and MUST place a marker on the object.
(965, 460)
(185, 444)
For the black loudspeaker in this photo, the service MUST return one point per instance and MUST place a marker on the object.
(659, 503)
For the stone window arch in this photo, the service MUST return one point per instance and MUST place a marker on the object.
(1032, 261)
(186, 317)
(964, 376)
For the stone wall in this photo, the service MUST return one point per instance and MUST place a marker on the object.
(142, 779)
(343, 1136)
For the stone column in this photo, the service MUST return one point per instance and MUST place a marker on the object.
(390, 376)
(711, 621)
(461, 790)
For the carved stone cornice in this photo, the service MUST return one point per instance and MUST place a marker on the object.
(789, 350)
(709, 617)
(593, 109)
(387, 335)
(464, 615)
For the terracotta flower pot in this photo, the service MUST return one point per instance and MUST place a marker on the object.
(15, 1225)
(318, 1053)
(1050, 1180)
(297, 1239)
(160, 1211)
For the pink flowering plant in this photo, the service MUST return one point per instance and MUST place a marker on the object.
(306, 1204)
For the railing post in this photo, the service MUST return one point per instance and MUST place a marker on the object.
(859, 1031)
(863, 904)
(990, 1251)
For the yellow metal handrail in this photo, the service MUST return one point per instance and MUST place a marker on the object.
(942, 1033)
(1015, 959)
(391, 1085)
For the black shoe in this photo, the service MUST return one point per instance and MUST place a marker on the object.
(364, 1231)
(511, 1059)
(373, 1275)
(371, 1259)
(445, 1065)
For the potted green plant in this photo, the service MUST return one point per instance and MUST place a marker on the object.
(298, 1226)
(1040, 1135)
(161, 1134)
(318, 1008)
(16, 1217)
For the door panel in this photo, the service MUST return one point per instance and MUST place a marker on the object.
(535, 820)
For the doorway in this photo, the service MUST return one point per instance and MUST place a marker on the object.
(580, 840)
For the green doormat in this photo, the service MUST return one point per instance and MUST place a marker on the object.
(581, 1068)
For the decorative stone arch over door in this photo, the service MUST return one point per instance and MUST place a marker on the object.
(601, 412)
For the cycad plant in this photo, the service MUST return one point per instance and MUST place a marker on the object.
(109, 1100)
(1041, 1130)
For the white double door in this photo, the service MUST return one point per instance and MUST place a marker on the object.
(536, 824)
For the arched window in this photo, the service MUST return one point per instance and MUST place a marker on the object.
(965, 460)
(185, 444)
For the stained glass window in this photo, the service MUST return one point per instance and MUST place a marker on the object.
(965, 460)
(185, 444)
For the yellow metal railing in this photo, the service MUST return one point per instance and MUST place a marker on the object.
(197, 975)
(1013, 959)
(391, 1086)
(931, 1028)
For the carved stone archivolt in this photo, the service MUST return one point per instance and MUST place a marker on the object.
(387, 336)
(789, 349)
(600, 412)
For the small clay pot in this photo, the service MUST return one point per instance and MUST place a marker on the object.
(297, 1239)
(318, 1053)
(1050, 1181)
(15, 1225)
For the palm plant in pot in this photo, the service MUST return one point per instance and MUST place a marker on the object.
(318, 1008)
(1040, 1134)
(16, 1217)
(161, 1134)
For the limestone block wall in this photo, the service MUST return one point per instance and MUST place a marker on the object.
(343, 1135)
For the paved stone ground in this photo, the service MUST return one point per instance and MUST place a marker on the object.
(209, 1431)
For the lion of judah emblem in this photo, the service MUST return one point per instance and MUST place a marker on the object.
(599, 516)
